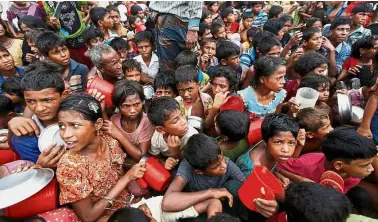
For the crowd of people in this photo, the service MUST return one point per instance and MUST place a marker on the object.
(174, 65)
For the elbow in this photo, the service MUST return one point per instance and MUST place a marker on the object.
(165, 204)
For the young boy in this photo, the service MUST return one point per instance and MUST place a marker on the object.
(204, 31)
(131, 69)
(172, 129)
(165, 85)
(276, 27)
(207, 58)
(218, 31)
(92, 36)
(12, 89)
(247, 24)
(317, 125)
(54, 48)
(7, 66)
(268, 47)
(223, 80)
(100, 18)
(275, 12)
(148, 60)
(121, 47)
(359, 15)
(227, 15)
(115, 16)
(259, 16)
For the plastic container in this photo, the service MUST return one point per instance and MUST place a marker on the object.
(254, 134)
(260, 179)
(233, 103)
(7, 156)
(140, 28)
(306, 97)
(104, 87)
(156, 175)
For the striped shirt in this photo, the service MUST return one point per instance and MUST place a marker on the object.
(187, 11)
(358, 34)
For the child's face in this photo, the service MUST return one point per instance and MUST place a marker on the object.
(122, 53)
(132, 107)
(107, 23)
(60, 55)
(6, 61)
(274, 51)
(257, 8)
(247, 23)
(324, 130)
(275, 81)
(189, 91)
(209, 49)
(360, 18)
(114, 15)
(208, 20)
(233, 61)
(315, 42)
(214, 8)
(145, 48)
(288, 25)
(340, 33)
(137, 22)
(323, 93)
(317, 24)
(165, 92)
(141, 14)
(359, 168)
(221, 34)
(44, 103)
(218, 168)
(176, 125)
(133, 75)
(207, 34)
(230, 18)
(321, 70)
(32, 46)
(93, 42)
(220, 84)
(280, 34)
(281, 146)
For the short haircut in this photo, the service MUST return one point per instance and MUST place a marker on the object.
(202, 28)
(132, 215)
(144, 36)
(97, 14)
(274, 26)
(79, 102)
(186, 57)
(205, 14)
(252, 32)
(366, 42)
(215, 27)
(160, 109)
(207, 40)
(286, 17)
(260, 35)
(12, 86)
(201, 151)
(47, 41)
(256, 3)
(276, 123)
(110, 8)
(165, 81)
(225, 49)
(310, 119)
(347, 144)
(118, 44)
(32, 35)
(233, 124)
(226, 12)
(128, 65)
(3, 49)
(223, 218)
(308, 62)
(312, 202)
(43, 75)
(338, 22)
(92, 33)
(186, 73)
(125, 88)
(6, 105)
(274, 11)
(311, 21)
(135, 9)
(247, 15)
(226, 72)
(309, 32)
(132, 19)
(266, 66)
(363, 7)
(266, 44)
(96, 54)
(314, 81)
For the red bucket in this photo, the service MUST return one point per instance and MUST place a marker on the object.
(104, 87)
(254, 134)
(251, 189)
(7, 156)
(233, 103)
(156, 175)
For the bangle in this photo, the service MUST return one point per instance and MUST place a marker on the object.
(109, 200)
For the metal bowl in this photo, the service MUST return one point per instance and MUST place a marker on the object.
(49, 136)
(357, 114)
(148, 91)
(196, 122)
(345, 107)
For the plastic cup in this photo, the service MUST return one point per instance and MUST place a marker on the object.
(233, 103)
(306, 97)
(156, 175)
(104, 87)
(260, 179)
(140, 28)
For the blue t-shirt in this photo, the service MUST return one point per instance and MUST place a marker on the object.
(20, 72)
(26, 147)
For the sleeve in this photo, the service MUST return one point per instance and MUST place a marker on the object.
(154, 149)
(10, 15)
(185, 171)
(73, 181)
(344, 54)
(195, 14)
(245, 60)
(264, 19)
(296, 166)
(347, 64)
(234, 172)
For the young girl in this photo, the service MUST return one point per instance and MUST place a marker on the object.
(312, 39)
(266, 93)
(148, 60)
(131, 127)
(90, 173)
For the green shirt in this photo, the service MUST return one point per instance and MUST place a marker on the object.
(237, 151)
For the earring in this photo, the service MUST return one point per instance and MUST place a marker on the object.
(97, 132)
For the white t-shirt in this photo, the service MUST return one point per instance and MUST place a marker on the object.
(153, 67)
(122, 12)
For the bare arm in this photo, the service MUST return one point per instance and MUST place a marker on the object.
(370, 109)
(332, 63)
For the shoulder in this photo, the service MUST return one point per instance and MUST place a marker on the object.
(115, 117)
(185, 170)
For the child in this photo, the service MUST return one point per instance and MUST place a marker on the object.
(359, 15)
(6, 114)
(7, 66)
(148, 60)
(165, 85)
(131, 69)
(12, 89)
(100, 18)
(206, 17)
(171, 128)
(275, 12)
(232, 128)
(276, 27)
(227, 15)
(214, 10)
(269, 47)
(92, 36)
(218, 31)
(259, 16)
(131, 127)
(207, 58)
(312, 39)
(115, 16)
(121, 47)
(317, 125)
(223, 80)
(54, 48)
(136, 10)
(247, 24)
(204, 31)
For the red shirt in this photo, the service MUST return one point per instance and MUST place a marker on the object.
(311, 166)
(234, 28)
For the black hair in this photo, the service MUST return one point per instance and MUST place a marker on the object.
(309, 32)
(31, 22)
(311, 202)
(223, 218)
(247, 15)
(338, 22)
(165, 81)
(308, 62)
(186, 57)
(215, 26)
(233, 124)
(110, 8)
(201, 151)
(276, 123)
(253, 3)
(225, 49)
(202, 28)
(210, 3)
(3, 49)
(347, 144)
(43, 75)
(161, 108)
(207, 40)
(363, 7)
(86, 105)
(310, 119)
(92, 33)
(286, 17)
(252, 32)
(135, 9)
(266, 44)
(266, 66)
(226, 72)
(132, 19)
(226, 12)
(118, 44)
(366, 42)
(129, 214)
(186, 73)
(125, 88)
(260, 35)
(47, 41)
(314, 81)
(311, 21)
(6, 105)
(129, 65)
(144, 36)
(274, 11)
(12, 86)
(274, 26)
(97, 14)
(205, 14)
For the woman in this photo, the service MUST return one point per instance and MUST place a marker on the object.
(266, 93)
(90, 174)
(14, 46)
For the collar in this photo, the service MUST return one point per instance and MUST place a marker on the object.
(73, 65)
(340, 47)
(38, 122)
(359, 29)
